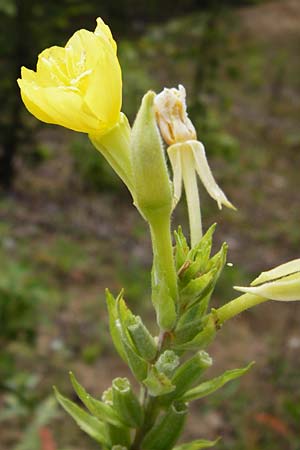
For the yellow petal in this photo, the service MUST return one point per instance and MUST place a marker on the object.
(30, 105)
(51, 67)
(103, 31)
(63, 107)
(104, 91)
(28, 75)
(83, 52)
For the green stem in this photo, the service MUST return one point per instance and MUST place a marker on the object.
(192, 196)
(236, 306)
(163, 260)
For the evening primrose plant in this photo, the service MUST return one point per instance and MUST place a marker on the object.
(80, 87)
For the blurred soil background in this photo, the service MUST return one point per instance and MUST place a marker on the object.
(68, 228)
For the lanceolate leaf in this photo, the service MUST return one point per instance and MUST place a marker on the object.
(114, 324)
(210, 386)
(89, 424)
(99, 409)
(197, 445)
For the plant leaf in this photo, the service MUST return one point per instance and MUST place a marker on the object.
(214, 384)
(197, 445)
(89, 424)
(99, 409)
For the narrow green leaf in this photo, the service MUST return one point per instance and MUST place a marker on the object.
(89, 424)
(137, 365)
(119, 318)
(99, 409)
(200, 255)
(142, 339)
(202, 339)
(190, 323)
(181, 248)
(114, 324)
(213, 385)
(197, 445)
(196, 289)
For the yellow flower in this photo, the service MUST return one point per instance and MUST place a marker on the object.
(78, 86)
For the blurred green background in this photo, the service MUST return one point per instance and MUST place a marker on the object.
(68, 228)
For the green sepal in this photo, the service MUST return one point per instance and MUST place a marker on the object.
(167, 362)
(118, 447)
(158, 383)
(89, 424)
(196, 289)
(142, 339)
(188, 374)
(167, 430)
(181, 248)
(114, 323)
(119, 437)
(97, 408)
(202, 339)
(210, 386)
(126, 403)
(197, 445)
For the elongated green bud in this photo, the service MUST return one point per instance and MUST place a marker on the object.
(189, 373)
(152, 185)
(166, 431)
(142, 340)
(125, 403)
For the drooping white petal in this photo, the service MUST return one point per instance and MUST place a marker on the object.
(192, 194)
(284, 289)
(206, 176)
(283, 270)
(174, 152)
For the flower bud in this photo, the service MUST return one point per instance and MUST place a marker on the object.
(150, 175)
(281, 283)
(126, 403)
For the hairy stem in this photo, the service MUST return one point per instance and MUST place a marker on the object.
(163, 260)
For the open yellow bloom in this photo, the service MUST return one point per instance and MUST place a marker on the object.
(78, 86)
